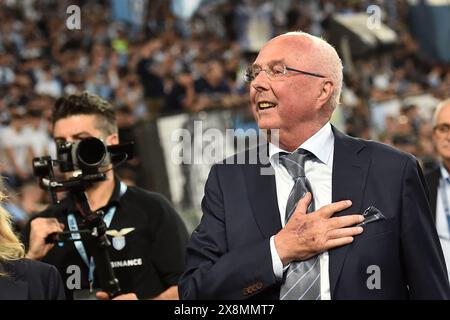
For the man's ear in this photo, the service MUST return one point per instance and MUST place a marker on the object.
(112, 139)
(326, 91)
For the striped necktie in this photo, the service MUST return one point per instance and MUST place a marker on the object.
(301, 280)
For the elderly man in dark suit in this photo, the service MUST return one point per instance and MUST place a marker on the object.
(297, 234)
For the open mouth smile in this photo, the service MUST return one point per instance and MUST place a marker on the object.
(266, 105)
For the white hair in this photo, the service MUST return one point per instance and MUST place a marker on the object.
(328, 63)
(438, 110)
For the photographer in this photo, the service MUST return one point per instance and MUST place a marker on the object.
(148, 237)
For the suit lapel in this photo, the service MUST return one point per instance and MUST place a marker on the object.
(433, 186)
(262, 195)
(350, 169)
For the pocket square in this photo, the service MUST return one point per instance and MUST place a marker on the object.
(371, 214)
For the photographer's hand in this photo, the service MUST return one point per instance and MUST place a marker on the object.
(169, 294)
(40, 229)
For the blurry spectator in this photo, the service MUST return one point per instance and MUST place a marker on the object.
(389, 130)
(129, 92)
(4, 111)
(405, 142)
(212, 80)
(16, 149)
(6, 72)
(48, 85)
(411, 112)
(37, 133)
(152, 83)
(438, 179)
(120, 45)
(404, 137)
(32, 198)
(182, 94)
(254, 23)
(126, 129)
(434, 77)
(211, 89)
(357, 123)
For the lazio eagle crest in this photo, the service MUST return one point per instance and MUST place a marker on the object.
(118, 237)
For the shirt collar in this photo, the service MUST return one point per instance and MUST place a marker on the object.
(113, 200)
(444, 174)
(320, 144)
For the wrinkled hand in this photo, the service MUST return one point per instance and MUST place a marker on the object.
(306, 235)
(102, 295)
(40, 228)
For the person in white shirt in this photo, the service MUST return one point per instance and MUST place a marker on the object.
(438, 179)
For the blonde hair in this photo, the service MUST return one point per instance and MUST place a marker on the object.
(327, 63)
(10, 246)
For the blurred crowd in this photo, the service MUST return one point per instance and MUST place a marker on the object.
(171, 64)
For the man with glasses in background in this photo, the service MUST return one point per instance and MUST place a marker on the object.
(368, 233)
(439, 179)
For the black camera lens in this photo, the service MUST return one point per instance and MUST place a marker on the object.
(91, 152)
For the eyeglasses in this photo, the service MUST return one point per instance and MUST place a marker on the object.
(274, 72)
(442, 129)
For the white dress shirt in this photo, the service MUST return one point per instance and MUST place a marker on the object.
(441, 219)
(319, 173)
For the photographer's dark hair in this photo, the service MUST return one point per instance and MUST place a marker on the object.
(87, 104)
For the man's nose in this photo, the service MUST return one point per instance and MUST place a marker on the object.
(261, 82)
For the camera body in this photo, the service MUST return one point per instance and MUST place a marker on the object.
(87, 155)
(89, 158)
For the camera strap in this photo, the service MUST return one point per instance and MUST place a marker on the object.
(73, 226)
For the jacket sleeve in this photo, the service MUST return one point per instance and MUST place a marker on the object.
(422, 254)
(55, 285)
(214, 271)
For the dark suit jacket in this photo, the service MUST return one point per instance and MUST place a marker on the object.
(432, 178)
(29, 279)
(229, 253)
